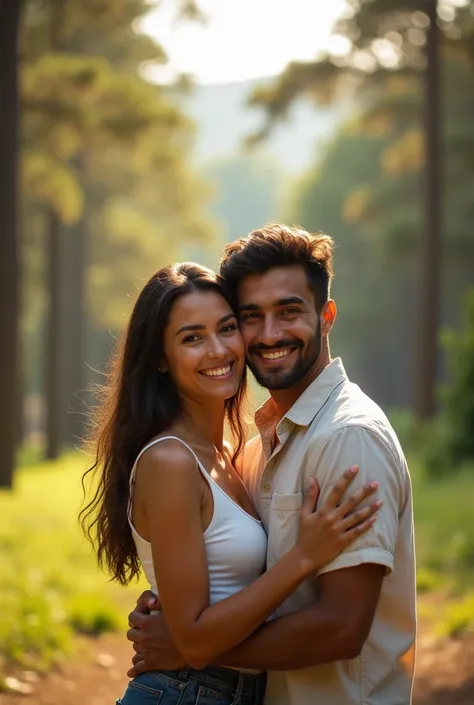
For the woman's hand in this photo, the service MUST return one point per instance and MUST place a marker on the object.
(326, 532)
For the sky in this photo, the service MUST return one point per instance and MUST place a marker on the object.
(242, 39)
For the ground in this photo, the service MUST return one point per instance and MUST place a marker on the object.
(445, 674)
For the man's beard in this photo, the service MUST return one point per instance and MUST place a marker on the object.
(285, 380)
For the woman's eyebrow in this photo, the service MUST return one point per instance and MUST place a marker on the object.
(200, 326)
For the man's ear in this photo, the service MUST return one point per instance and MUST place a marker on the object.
(328, 316)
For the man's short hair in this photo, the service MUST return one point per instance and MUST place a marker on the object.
(279, 245)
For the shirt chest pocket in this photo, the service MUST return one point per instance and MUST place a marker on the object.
(283, 524)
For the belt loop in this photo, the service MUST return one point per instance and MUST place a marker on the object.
(184, 672)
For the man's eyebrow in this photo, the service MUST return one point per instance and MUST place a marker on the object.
(199, 326)
(289, 300)
(249, 307)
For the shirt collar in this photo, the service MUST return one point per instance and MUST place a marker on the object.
(310, 402)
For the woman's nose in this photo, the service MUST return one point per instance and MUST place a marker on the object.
(217, 348)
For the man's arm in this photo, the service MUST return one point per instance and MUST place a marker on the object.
(332, 629)
(338, 623)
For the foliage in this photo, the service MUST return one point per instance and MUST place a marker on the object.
(458, 397)
(100, 143)
(389, 210)
(380, 39)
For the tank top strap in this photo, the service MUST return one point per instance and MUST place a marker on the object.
(150, 445)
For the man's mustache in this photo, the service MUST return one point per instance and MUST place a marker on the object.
(278, 344)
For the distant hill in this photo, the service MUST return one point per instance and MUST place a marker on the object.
(224, 120)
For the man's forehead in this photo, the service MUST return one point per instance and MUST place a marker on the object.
(276, 285)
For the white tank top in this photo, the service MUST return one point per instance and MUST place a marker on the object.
(236, 542)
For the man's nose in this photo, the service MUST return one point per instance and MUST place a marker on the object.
(270, 332)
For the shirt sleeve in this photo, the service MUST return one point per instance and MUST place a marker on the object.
(357, 445)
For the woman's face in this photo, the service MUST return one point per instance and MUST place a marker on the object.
(204, 351)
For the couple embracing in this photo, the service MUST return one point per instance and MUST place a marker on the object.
(281, 569)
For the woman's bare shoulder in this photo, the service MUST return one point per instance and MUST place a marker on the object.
(168, 457)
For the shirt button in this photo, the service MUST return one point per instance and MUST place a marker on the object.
(267, 487)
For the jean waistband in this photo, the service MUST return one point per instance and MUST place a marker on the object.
(221, 677)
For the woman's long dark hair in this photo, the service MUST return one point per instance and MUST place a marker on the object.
(138, 403)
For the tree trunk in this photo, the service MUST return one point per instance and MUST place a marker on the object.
(9, 255)
(74, 313)
(430, 280)
(53, 340)
(54, 357)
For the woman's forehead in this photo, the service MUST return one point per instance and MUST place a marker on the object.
(203, 307)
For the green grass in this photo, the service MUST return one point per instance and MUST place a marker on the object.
(444, 519)
(50, 587)
(444, 528)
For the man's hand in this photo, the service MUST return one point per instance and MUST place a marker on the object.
(152, 642)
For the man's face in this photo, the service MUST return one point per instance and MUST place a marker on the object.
(280, 326)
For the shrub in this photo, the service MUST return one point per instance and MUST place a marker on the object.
(453, 439)
(459, 618)
(427, 580)
(34, 631)
(93, 615)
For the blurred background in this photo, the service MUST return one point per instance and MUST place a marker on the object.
(140, 132)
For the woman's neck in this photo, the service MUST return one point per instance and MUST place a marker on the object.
(205, 423)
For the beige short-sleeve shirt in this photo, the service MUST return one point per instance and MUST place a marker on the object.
(331, 427)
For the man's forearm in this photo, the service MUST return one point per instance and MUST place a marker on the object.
(299, 640)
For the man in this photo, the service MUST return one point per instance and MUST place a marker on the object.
(347, 636)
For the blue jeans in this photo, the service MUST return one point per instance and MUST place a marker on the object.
(210, 686)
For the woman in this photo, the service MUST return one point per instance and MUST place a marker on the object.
(170, 498)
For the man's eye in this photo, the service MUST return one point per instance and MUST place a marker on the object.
(290, 311)
(248, 316)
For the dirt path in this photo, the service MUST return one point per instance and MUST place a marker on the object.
(96, 676)
(445, 675)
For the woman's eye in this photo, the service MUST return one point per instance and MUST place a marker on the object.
(230, 328)
(190, 338)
